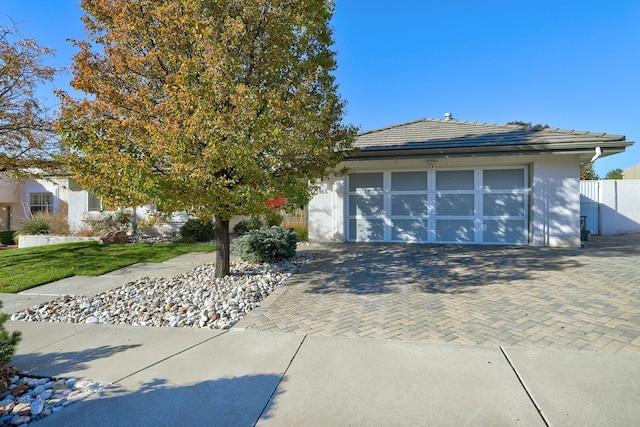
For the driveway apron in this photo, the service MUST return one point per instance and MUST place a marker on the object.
(585, 299)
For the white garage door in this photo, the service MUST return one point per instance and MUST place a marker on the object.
(444, 206)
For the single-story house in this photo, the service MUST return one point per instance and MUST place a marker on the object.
(452, 181)
(21, 198)
(62, 196)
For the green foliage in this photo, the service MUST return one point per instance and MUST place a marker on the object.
(246, 225)
(8, 342)
(195, 230)
(223, 107)
(6, 237)
(28, 144)
(48, 263)
(615, 174)
(273, 217)
(38, 223)
(267, 244)
(587, 173)
(107, 222)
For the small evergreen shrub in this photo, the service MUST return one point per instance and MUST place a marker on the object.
(196, 230)
(267, 244)
(6, 237)
(246, 225)
(8, 342)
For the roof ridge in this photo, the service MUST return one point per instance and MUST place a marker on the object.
(393, 126)
(484, 124)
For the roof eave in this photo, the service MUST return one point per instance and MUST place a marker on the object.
(388, 153)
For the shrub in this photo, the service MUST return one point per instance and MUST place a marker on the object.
(246, 225)
(38, 223)
(111, 221)
(196, 230)
(59, 224)
(267, 244)
(6, 237)
(8, 342)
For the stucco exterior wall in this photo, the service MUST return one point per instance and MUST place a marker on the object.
(554, 210)
(555, 201)
(326, 212)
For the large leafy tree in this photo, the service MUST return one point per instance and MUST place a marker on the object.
(615, 174)
(28, 143)
(213, 107)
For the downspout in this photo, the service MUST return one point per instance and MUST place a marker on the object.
(594, 158)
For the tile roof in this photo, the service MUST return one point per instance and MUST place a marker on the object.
(438, 137)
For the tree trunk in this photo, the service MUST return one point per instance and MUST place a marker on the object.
(222, 247)
(134, 223)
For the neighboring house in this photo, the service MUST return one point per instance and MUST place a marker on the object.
(20, 199)
(450, 181)
(631, 173)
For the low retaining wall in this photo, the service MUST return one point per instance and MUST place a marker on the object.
(43, 240)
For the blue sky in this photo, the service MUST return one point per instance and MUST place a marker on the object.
(568, 64)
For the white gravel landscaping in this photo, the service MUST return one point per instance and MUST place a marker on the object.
(195, 299)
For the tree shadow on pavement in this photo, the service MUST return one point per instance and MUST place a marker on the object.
(367, 268)
(56, 364)
(235, 401)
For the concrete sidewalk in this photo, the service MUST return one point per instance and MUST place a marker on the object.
(168, 377)
(175, 376)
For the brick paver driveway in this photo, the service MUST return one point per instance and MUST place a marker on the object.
(492, 295)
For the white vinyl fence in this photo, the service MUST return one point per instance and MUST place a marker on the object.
(611, 206)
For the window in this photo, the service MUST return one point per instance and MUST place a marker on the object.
(93, 203)
(41, 202)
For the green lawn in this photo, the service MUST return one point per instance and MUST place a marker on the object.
(22, 269)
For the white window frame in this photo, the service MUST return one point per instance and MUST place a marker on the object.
(48, 206)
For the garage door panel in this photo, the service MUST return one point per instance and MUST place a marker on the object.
(409, 181)
(455, 204)
(366, 182)
(503, 179)
(366, 230)
(503, 205)
(454, 180)
(455, 230)
(409, 204)
(504, 231)
(409, 230)
(365, 205)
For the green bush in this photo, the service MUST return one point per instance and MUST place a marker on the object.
(267, 244)
(246, 225)
(6, 237)
(196, 230)
(8, 342)
(38, 223)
